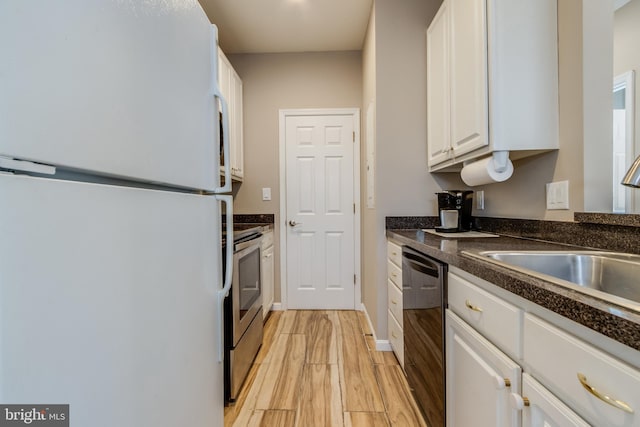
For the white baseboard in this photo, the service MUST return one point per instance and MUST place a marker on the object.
(276, 306)
(381, 345)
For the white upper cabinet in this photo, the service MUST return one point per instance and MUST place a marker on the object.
(492, 80)
(438, 86)
(468, 84)
(231, 88)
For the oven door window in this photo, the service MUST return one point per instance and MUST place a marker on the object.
(249, 280)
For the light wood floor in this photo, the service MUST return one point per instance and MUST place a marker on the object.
(320, 368)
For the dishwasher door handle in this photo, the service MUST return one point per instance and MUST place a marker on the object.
(422, 268)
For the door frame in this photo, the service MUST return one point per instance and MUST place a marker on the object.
(283, 114)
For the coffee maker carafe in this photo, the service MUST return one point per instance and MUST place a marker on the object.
(454, 209)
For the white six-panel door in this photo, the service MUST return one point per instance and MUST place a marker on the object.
(320, 211)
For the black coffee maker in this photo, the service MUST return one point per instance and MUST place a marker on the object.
(454, 209)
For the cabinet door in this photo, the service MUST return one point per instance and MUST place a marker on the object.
(438, 134)
(223, 76)
(477, 374)
(231, 88)
(237, 157)
(223, 81)
(544, 409)
(267, 280)
(582, 375)
(469, 91)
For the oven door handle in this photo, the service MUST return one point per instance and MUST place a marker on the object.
(228, 277)
(244, 245)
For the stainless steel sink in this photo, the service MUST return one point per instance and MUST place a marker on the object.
(612, 273)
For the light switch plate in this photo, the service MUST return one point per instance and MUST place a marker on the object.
(558, 195)
(266, 193)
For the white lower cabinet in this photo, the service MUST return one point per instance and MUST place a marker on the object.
(267, 272)
(542, 408)
(396, 338)
(504, 371)
(602, 389)
(479, 379)
(395, 305)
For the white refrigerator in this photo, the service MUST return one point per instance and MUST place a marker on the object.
(111, 282)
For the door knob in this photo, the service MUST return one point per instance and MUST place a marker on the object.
(293, 223)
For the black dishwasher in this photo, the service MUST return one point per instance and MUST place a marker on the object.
(424, 301)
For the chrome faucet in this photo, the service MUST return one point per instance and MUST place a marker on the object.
(632, 177)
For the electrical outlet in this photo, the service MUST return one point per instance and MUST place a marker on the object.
(558, 195)
(480, 200)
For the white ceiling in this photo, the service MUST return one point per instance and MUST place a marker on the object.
(269, 26)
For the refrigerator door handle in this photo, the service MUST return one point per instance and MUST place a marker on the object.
(222, 293)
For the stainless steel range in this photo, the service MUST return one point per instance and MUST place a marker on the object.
(243, 311)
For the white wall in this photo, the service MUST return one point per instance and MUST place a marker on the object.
(626, 57)
(395, 59)
(390, 72)
(369, 250)
(282, 81)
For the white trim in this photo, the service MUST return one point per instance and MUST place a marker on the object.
(355, 112)
(627, 81)
(381, 345)
(276, 307)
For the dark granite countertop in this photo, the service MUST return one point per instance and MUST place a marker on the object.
(614, 321)
(247, 225)
(246, 221)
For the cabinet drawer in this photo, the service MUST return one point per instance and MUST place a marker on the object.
(394, 273)
(394, 298)
(394, 253)
(493, 317)
(557, 359)
(396, 338)
(267, 240)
